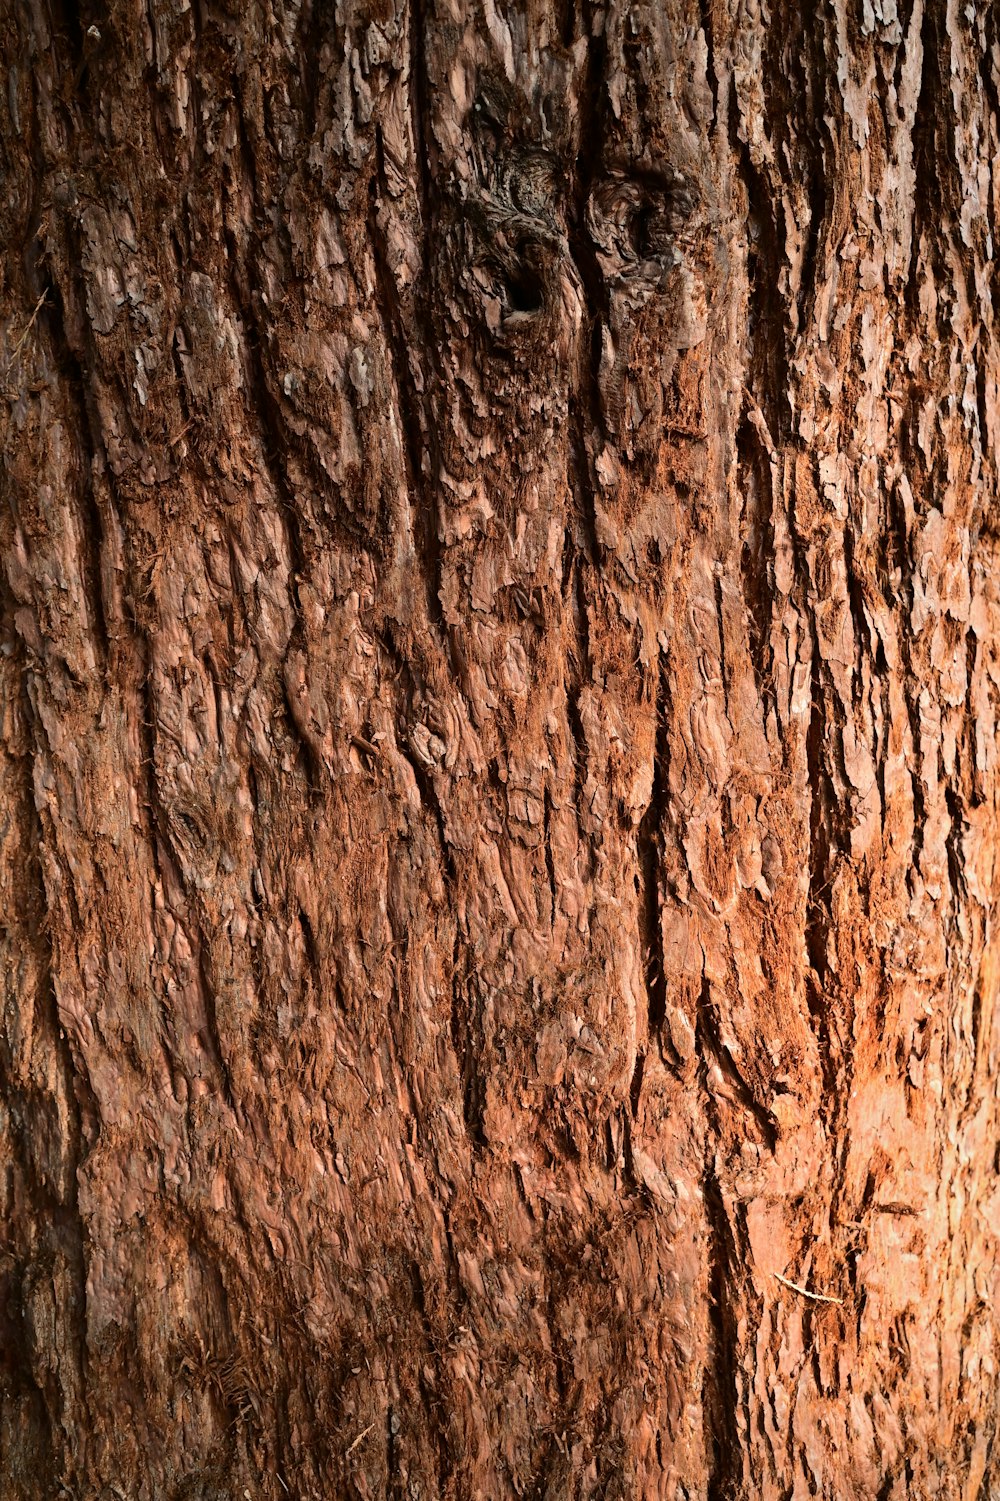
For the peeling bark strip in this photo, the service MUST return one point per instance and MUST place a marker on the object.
(498, 772)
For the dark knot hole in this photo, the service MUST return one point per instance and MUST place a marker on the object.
(525, 288)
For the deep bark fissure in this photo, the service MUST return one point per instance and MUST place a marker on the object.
(720, 619)
(706, 8)
(584, 421)
(272, 438)
(580, 664)
(714, 1050)
(72, 1236)
(467, 1043)
(863, 643)
(585, 401)
(91, 520)
(722, 1449)
(649, 844)
(934, 196)
(549, 866)
(416, 24)
(208, 994)
(757, 553)
(408, 401)
(768, 377)
(821, 876)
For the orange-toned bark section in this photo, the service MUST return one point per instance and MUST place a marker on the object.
(498, 776)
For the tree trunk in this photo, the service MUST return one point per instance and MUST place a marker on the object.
(498, 771)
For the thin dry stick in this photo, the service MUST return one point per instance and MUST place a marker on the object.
(25, 332)
(817, 1297)
(360, 1436)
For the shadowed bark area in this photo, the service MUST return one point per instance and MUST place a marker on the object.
(499, 669)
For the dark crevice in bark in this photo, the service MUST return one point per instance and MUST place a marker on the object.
(214, 1036)
(59, 1218)
(829, 1007)
(318, 30)
(908, 679)
(271, 434)
(974, 790)
(310, 752)
(721, 622)
(400, 343)
(255, 940)
(584, 403)
(953, 845)
(768, 376)
(610, 1151)
(718, 1396)
(416, 34)
(560, 1367)
(549, 866)
(467, 1047)
(937, 183)
(422, 774)
(982, 415)
(431, 1338)
(581, 479)
(905, 10)
(882, 741)
(757, 554)
(585, 169)
(273, 439)
(990, 75)
(239, 249)
(715, 1050)
(61, 1214)
(797, 53)
(391, 1462)
(580, 662)
(187, 415)
(720, 1377)
(567, 20)
(467, 1041)
(312, 949)
(987, 1490)
(706, 8)
(649, 848)
(431, 801)
(893, 548)
(583, 426)
(147, 724)
(91, 520)
(635, 1087)
(816, 183)
(864, 646)
(818, 919)
(56, 1225)
(81, 47)
(586, 423)
(152, 813)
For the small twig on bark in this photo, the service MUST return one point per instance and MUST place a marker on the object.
(15, 354)
(817, 1297)
(363, 1434)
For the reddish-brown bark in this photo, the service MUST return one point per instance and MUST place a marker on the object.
(498, 775)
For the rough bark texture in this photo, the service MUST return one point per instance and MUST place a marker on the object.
(498, 768)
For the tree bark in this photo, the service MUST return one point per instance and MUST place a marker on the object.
(498, 770)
